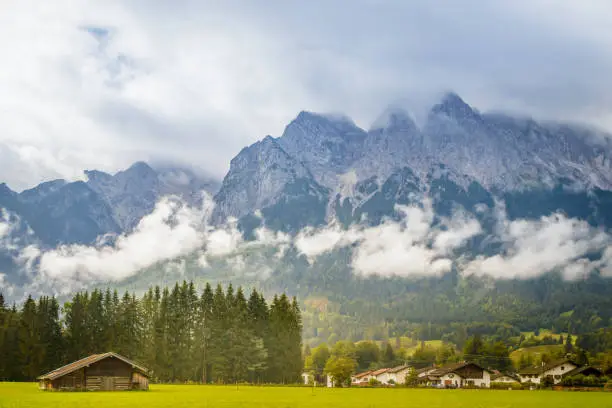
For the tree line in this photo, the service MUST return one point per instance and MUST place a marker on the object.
(217, 336)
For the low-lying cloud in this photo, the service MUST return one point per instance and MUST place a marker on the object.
(533, 248)
(416, 244)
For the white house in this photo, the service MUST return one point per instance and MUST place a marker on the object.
(554, 369)
(329, 380)
(361, 378)
(504, 378)
(398, 374)
(464, 374)
(307, 378)
(382, 375)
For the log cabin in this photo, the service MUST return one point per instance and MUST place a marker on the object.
(98, 372)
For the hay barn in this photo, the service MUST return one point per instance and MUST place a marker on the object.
(99, 372)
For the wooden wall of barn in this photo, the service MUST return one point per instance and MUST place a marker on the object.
(110, 374)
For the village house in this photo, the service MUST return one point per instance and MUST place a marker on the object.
(361, 378)
(459, 375)
(554, 369)
(398, 374)
(504, 378)
(99, 372)
(381, 375)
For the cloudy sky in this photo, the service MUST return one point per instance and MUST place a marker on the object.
(102, 84)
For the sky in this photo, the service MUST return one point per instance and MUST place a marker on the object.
(102, 84)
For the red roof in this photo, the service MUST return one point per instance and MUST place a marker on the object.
(381, 371)
(361, 375)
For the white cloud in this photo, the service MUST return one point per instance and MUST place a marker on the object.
(170, 231)
(415, 246)
(533, 248)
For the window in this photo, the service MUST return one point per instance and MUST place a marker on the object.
(562, 368)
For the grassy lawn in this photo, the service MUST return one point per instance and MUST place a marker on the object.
(28, 395)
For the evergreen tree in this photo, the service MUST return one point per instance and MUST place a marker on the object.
(368, 355)
(389, 355)
(31, 350)
(569, 347)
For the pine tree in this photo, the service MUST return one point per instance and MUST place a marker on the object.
(389, 355)
(203, 333)
(569, 347)
(218, 329)
(31, 351)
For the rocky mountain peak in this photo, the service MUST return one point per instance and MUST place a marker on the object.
(454, 107)
(394, 118)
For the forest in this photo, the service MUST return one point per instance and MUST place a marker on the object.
(218, 336)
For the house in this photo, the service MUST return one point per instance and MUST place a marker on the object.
(398, 374)
(554, 369)
(504, 378)
(329, 381)
(382, 375)
(586, 371)
(98, 372)
(307, 378)
(464, 374)
(361, 378)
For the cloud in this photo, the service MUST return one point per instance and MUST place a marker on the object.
(414, 246)
(533, 248)
(177, 237)
(171, 230)
(101, 84)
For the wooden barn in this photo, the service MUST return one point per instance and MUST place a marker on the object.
(99, 372)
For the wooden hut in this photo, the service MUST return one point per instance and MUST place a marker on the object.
(99, 372)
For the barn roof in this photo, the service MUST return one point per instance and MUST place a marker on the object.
(85, 362)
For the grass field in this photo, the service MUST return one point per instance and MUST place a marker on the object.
(534, 351)
(28, 395)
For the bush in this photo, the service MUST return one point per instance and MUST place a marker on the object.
(505, 386)
(373, 382)
(582, 381)
(547, 382)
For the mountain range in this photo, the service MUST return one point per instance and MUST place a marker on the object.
(326, 174)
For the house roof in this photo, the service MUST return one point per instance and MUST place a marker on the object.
(450, 368)
(361, 375)
(85, 362)
(425, 370)
(549, 366)
(584, 370)
(398, 369)
(380, 371)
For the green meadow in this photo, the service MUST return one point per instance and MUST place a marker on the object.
(28, 395)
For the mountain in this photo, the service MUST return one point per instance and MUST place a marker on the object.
(60, 212)
(458, 155)
(382, 223)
